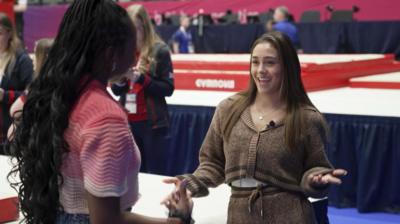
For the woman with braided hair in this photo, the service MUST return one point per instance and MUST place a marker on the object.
(76, 157)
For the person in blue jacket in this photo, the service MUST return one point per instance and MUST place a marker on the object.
(284, 24)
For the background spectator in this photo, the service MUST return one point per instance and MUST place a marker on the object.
(284, 25)
(182, 38)
(144, 89)
(42, 49)
(16, 71)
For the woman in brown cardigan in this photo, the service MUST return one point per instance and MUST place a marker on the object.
(267, 143)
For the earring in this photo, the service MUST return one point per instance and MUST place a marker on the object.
(114, 67)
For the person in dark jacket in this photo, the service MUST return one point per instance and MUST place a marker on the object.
(16, 71)
(143, 92)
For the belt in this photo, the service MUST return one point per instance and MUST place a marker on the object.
(256, 188)
(247, 183)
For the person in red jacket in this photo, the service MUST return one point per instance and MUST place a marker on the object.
(143, 91)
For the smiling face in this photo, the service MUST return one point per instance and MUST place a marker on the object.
(266, 68)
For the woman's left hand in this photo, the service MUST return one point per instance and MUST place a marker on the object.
(321, 180)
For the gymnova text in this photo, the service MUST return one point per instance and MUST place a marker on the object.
(215, 83)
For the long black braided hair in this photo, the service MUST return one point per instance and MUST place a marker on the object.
(88, 28)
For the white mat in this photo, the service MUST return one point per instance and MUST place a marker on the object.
(358, 101)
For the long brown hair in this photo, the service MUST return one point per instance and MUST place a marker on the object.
(292, 91)
(42, 50)
(150, 37)
(14, 44)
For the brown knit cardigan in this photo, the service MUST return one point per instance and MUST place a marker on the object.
(260, 155)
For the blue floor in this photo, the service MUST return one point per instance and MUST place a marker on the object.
(351, 216)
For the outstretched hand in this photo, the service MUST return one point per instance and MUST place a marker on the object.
(176, 182)
(179, 200)
(321, 180)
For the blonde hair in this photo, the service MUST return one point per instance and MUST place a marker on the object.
(42, 49)
(14, 44)
(150, 37)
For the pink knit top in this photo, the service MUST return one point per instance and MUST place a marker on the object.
(103, 159)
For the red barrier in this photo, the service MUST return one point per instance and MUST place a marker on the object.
(218, 75)
(215, 65)
(9, 209)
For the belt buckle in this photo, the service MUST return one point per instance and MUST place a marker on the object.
(247, 183)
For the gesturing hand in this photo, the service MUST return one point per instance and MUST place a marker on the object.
(179, 202)
(329, 178)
